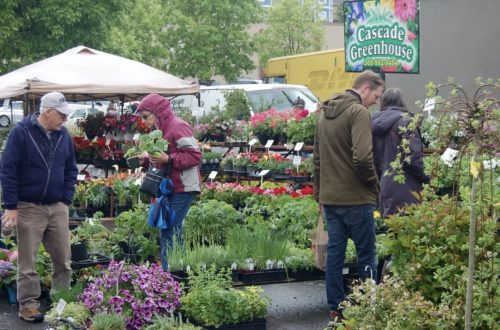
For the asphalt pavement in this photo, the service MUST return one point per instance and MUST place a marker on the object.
(294, 306)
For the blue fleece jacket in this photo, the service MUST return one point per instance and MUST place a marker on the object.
(35, 168)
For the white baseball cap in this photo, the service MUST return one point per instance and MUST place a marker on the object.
(56, 100)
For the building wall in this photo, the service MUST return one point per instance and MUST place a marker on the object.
(460, 39)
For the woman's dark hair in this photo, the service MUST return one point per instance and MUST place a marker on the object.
(392, 98)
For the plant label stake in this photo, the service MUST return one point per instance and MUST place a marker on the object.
(261, 174)
(449, 156)
(60, 307)
(136, 137)
(296, 161)
(268, 145)
(298, 146)
(80, 177)
(212, 176)
(251, 143)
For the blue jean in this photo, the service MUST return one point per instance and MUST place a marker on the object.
(355, 222)
(180, 202)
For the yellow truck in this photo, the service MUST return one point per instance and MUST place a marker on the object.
(323, 72)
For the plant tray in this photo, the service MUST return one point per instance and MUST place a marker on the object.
(94, 260)
(256, 324)
(263, 276)
(307, 275)
(281, 177)
(299, 178)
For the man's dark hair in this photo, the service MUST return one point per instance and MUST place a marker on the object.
(368, 77)
(392, 98)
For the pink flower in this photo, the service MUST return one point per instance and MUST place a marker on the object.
(410, 35)
(407, 67)
(405, 9)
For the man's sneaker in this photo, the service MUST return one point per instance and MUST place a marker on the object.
(30, 314)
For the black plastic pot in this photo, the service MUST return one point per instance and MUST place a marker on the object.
(256, 324)
(263, 276)
(79, 252)
(133, 162)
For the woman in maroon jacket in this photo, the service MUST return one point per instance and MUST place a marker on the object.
(184, 157)
(386, 141)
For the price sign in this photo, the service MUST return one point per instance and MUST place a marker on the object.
(136, 136)
(269, 143)
(197, 112)
(297, 160)
(449, 156)
(212, 175)
(298, 146)
(263, 172)
(60, 306)
(95, 139)
(80, 177)
(252, 142)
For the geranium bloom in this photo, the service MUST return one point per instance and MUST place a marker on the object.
(405, 9)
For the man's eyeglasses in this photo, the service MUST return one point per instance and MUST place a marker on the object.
(61, 115)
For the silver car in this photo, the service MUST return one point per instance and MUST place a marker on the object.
(11, 112)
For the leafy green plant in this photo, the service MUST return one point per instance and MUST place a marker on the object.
(170, 323)
(195, 255)
(68, 294)
(299, 259)
(131, 229)
(208, 221)
(390, 306)
(237, 106)
(211, 300)
(152, 143)
(302, 130)
(75, 310)
(429, 253)
(105, 321)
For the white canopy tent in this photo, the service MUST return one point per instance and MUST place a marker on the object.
(82, 73)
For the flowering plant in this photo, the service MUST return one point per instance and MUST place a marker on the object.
(270, 125)
(301, 127)
(8, 260)
(214, 127)
(137, 292)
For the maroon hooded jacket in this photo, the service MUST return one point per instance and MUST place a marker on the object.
(184, 153)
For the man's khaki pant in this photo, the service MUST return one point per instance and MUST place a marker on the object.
(47, 224)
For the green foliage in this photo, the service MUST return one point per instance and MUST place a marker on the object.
(209, 221)
(195, 255)
(302, 130)
(234, 197)
(105, 321)
(75, 310)
(131, 227)
(152, 143)
(293, 28)
(33, 30)
(211, 300)
(141, 18)
(429, 253)
(209, 38)
(237, 106)
(390, 306)
(300, 259)
(170, 323)
(68, 294)
(259, 244)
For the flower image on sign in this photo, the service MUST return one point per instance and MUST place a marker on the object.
(382, 35)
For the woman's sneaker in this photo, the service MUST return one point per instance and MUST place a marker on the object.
(30, 314)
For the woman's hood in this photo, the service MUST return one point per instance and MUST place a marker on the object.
(158, 105)
(384, 120)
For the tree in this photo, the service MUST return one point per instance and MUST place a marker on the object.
(139, 35)
(32, 30)
(208, 38)
(293, 28)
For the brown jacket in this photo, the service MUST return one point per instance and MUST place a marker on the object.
(344, 173)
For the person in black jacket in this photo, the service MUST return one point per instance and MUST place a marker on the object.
(38, 176)
(387, 137)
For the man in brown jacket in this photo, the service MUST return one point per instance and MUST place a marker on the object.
(346, 184)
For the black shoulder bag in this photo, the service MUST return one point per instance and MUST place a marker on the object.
(151, 182)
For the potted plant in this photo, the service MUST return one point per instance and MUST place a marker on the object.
(138, 293)
(81, 199)
(212, 301)
(122, 196)
(75, 311)
(98, 195)
(8, 271)
(105, 321)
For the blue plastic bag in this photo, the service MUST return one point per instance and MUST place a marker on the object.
(161, 213)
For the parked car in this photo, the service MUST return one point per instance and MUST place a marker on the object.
(10, 112)
(261, 97)
(80, 111)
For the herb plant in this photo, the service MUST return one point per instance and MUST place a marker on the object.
(152, 143)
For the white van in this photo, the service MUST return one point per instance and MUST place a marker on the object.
(261, 97)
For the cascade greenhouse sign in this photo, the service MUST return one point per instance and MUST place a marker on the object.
(382, 35)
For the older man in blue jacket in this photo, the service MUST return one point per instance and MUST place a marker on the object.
(38, 176)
